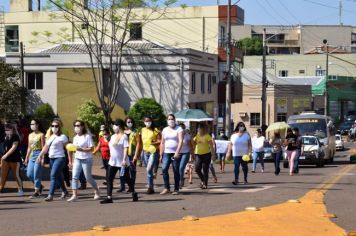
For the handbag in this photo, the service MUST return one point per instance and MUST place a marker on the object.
(46, 156)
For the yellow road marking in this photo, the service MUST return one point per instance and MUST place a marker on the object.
(305, 218)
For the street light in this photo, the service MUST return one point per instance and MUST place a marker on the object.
(325, 42)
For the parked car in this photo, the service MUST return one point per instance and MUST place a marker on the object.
(268, 151)
(313, 153)
(345, 127)
(339, 143)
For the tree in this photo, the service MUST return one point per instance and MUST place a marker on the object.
(45, 114)
(91, 114)
(10, 91)
(147, 107)
(251, 46)
(104, 27)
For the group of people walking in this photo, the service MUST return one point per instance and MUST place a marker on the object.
(125, 145)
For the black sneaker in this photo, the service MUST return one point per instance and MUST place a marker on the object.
(106, 201)
(120, 190)
(134, 197)
(35, 195)
(41, 189)
(235, 182)
(83, 187)
(150, 191)
(104, 183)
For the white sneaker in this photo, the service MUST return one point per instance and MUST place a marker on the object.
(20, 193)
(165, 191)
(96, 196)
(73, 198)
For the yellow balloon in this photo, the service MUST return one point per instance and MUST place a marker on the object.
(246, 158)
(152, 149)
(71, 147)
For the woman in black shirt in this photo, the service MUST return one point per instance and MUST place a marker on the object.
(11, 159)
(292, 149)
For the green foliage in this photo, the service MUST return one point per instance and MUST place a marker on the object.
(10, 91)
(251, 46)
(91, 114)
(147, 107)
(45, 114)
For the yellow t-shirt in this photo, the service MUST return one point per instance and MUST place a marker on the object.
(132, 142)
(35, 141)
(148, 136)
(202, 144)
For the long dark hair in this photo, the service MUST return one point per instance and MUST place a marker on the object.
(120, 123)
(12, 127)
(82, 123)
(39, 125)
(153, 126)
(133, 121)
(238, 125)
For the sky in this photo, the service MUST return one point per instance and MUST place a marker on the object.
(284, 12)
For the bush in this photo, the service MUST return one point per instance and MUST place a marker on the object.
(91, 114)
(147, 107)
(45, 114)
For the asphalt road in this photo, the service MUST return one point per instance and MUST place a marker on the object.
(22, 216)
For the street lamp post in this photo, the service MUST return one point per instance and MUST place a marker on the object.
(326, 76)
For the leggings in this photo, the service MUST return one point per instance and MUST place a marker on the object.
(15, 168)
(291, 159)
(203, 162)
(110, 176)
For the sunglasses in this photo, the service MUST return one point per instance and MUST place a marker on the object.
(55, 126)
(129, 122)
(33, 124)
(77, 125)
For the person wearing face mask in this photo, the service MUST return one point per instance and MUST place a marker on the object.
(34, 168)
(186, 153)
(151, 139)
(103, 146)
(55, 147)
(258, 142)
(133, 151)
(239, 145)
(204, 150)
(83, 159)
(11, 159)
(119, 160)
(171, 144)
(221, 156)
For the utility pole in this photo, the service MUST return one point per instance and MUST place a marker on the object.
(340, 12)
(325, 41)
(203, 46)
(264, 82)
(181, 70)
(228, 69)
(22, 78)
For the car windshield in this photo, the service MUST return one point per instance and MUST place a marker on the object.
(337, 137)
(309, 141)
(315, 127)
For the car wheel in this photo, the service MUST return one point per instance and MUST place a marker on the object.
(285, 164)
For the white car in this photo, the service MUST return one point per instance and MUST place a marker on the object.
(339, 143)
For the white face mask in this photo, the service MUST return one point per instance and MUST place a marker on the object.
(129, 125)
(8, 133)
(55, 130)
(148, 124)
(241, 129)
(116, 128)
(171, 123)
(33, 127)
(77, 130)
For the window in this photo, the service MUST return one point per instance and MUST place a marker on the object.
(35, 80)
(193, 83)
(283, 73)
(320, 72)
(301, 71)
(353, 49)
(222, 39)
(255, 119)
(222, 69)
(209, 83)
(353, 38)
(202, 83)
(136, 31)
(12, 38)
(281, 117)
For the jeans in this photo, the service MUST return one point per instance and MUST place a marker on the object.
(277, 158)
(255, 156)
(150, 159)
(292, 155)
(34, 169)
(183, 163)
(296, 162)
(166, 162)
(85, 166)
(203, 162)
(212, 169)
(56, 176)
(237, 162)
(110, 176)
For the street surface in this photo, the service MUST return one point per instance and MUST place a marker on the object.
(22, 216)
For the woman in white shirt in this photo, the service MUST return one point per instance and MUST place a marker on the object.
(258, 152)
(240, 145)
(83, 159)
(55, 147)
(118, 145)
(171, 144)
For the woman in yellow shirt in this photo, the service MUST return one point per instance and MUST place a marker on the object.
(204, 150)
(36, 141)
(151, 139)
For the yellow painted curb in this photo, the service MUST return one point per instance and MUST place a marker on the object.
(305, 218)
